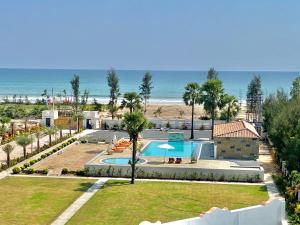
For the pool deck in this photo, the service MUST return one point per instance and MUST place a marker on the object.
(159, 161)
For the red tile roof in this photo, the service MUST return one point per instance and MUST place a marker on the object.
(236, 129)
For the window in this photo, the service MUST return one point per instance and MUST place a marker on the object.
(232, 146)
(238, 149)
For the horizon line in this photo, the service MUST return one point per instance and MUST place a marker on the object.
(127, 69)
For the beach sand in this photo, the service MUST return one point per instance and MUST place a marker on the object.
(171, 111)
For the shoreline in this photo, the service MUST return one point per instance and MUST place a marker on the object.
(103, 100)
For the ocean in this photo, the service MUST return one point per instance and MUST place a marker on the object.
(168, 85)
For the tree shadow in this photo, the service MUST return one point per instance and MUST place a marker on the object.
(83, 187)
(116, 183)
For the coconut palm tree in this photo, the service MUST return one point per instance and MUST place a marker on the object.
(134, 123)
(192, 96)
(60, 127)
(23, 141)
(77, 117)
(158, 111)
(212, 99)
(38, 135)
(132, 101)
(50, 131)
(231, 107)
(8, 149)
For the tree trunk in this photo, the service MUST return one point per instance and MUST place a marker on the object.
(12, 129)
(192, 125)
(50, 140)
(133, 159)
(212, 124)
(8, 159)
(145, 107)
(228, 113)
(38, 143)
(78, 126)
(70, 130)
(25, 125)
(24, 151)
(60, 134)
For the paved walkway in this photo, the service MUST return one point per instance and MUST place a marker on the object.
(269, 166)
(75, 206)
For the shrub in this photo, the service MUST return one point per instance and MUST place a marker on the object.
(45, 171)
(30, 170)
(80, 172)
(64, 171)
(16, 170)
(32, 162)
(43, 156)
(26, 165)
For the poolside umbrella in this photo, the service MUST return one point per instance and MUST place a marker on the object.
(115, 140)
(166, 147)
(109, 148)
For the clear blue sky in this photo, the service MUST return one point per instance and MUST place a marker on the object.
(151, 34)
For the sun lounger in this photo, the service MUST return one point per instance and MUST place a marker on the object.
(178, 160)
(171, 160)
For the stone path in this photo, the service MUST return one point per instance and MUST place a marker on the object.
(269, 166)
(75, 206)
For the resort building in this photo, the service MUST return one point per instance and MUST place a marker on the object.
(236, 140)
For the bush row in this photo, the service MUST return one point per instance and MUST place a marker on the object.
(26, 166)
(15, 161)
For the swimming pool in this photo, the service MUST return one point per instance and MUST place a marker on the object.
(180, 149)
(120, 161)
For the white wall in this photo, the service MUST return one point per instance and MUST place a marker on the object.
(52, 114)
(272, 213)
(187, 173)
(93, 116)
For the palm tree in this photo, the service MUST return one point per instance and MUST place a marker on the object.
(132, 101)
(38, 135)
(77, 117)
(50, 131)
(60, 127)
(212, 99)
(113, 109)
(192, 96)
(8, 149)
(23, 141)
(231, 107)
(135, 123)
(158, 111)
(3, 131)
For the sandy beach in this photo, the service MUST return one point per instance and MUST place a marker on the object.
(172, 111)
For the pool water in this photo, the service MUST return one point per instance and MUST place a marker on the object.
(182, 149)
(120, 161)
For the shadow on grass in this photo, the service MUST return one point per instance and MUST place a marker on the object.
(84, 186)
(263, 188)
(116, 183)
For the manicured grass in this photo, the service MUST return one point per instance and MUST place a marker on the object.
(121, 203)
(37, 200)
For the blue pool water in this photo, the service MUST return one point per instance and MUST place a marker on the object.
(120, 161)
(182, 149)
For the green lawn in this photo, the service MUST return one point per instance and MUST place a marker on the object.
(37, 200)
(121, 203)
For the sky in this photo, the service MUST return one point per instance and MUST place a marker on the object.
(151, 34)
